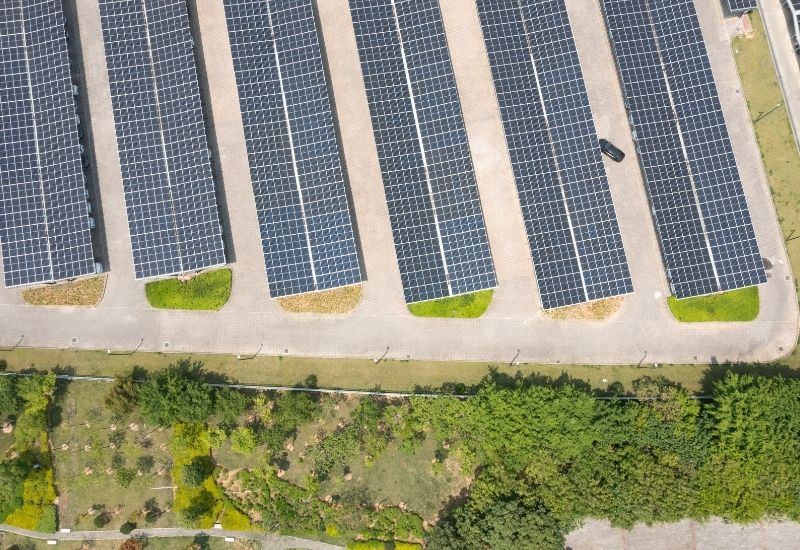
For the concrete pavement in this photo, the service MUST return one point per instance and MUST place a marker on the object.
(686, 535)
(269, 542)
(514, 321)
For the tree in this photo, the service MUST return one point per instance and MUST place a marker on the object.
(36, 390)
(121, 398)
(175, 395)
(9, 400)
(196, 472)
(229, 404)
(12, 474)
(754, 465)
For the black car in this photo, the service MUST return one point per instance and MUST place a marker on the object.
(611, 150)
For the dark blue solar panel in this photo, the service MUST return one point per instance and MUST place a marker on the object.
(293, 149)
(742, 5)
(701, 216)
(566, 203)
(166, 170)
(44, 221)
(439, 232)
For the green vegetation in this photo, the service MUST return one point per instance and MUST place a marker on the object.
(27, 489)
(734, 305)
(466, 306)
(528, 457)
(206, 291)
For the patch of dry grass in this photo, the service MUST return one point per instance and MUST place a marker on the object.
(338, 300)
(598, 310)
(83, 292)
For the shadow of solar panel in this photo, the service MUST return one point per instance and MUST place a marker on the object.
(434, 208)
(44, 221)
(698, 202)
(295, 165)
(567, 207)
(164, 156)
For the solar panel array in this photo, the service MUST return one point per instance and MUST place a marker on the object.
(295, 166)
(742, 5)
(561, 181)
(696, 194)
(435, 211)
(44, 222)
(166, 171)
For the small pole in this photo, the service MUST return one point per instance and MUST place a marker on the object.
(379, 359)
(110, 352)
(248, 357)
(15, 346)
(641, 360)
(514, 360)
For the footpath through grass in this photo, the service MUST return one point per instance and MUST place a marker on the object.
(735, 305)
(466, 306)
(773, 131)
(206, 291)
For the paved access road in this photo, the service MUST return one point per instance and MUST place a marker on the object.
(643, 328)
(686, 535)
(269, 542)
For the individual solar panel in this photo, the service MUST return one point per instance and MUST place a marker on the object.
(164, 156)
(434, 208)
(696, 194)
(569, 215)
(44, 221)
(737, 6)
(295, 164)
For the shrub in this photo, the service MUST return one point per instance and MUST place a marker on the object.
(368, 545)
(48, 523)
(234, 520)
(131, 544)
(124, 477)
(243, 440)
(102, 519)
(127, 527)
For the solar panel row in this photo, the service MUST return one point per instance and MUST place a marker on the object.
(44, 222)
(295, 165)
(434, 208)
(742, 5)
(567, 207)
(698, 203)
(166, 171)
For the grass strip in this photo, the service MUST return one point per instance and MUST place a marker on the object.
(466, 306)
(735, 305)
(206, 291)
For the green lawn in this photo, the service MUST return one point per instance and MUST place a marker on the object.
(735, 305)
(466, 306)
(207, 291)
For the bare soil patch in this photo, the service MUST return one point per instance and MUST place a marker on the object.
(339, 300)
(599, 310)
(83, 292)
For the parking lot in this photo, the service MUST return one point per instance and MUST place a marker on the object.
(643, 328)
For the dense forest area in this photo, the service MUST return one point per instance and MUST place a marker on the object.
(515, 466)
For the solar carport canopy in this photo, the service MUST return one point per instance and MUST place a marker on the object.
(435, 212)
(44, 222)
(163, 151)
(566, 203)
(296, 169)
(698, 203)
